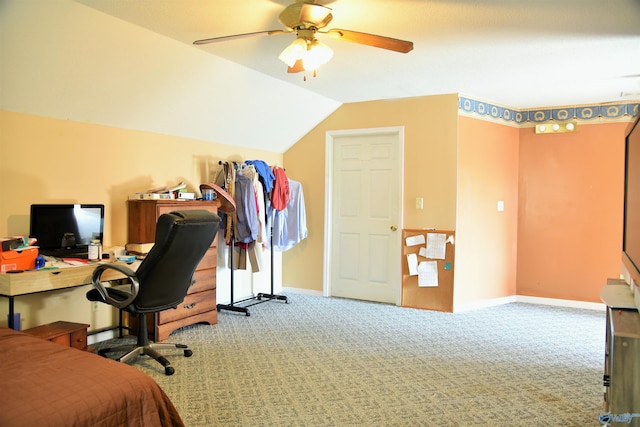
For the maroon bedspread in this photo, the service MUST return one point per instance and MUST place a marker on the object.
(47, 384)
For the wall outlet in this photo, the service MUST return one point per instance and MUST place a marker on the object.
(419, 203)
(95, 305)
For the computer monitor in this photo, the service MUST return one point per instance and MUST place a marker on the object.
(66, 229)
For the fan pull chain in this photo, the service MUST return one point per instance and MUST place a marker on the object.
(304, 76)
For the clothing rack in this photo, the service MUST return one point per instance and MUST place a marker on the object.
(272, 295)
(260, 297)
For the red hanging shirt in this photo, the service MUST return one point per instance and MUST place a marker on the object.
(280, 193)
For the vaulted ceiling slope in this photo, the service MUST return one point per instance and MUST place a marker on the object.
(65, 60)
(132, 63)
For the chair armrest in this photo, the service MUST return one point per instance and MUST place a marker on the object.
(129, 274)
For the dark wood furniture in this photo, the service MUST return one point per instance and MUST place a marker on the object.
(622, 356)
(200, 304)
(68, 334)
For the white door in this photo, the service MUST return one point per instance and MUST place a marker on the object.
(363, 209)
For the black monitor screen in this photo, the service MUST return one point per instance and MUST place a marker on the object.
(66, 226)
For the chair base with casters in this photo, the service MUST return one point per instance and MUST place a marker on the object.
(162, 279)
(145, 347)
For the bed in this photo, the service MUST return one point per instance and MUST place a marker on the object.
(47, 384)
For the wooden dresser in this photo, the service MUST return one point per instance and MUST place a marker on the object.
(199, 306)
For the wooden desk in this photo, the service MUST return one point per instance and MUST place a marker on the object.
(32, 282)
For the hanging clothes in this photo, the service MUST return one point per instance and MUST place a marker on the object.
(264, 172)
(246, 229)
(231, 219)
(280, 193)
(250, 172)
(290, 224)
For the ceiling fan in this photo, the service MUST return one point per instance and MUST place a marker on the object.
(306, 18)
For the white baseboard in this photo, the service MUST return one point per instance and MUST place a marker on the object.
(484, 304)
(492, 302)
(561, 302)
(101, 336)
(530, 300)
(302, 291)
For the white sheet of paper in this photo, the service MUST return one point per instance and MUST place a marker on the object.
(412, 260)
(436, 245)
(428, 274)
(422, 252)
(415, 240)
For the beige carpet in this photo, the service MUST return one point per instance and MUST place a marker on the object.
(334, 362)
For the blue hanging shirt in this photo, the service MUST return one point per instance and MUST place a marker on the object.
(265, 173)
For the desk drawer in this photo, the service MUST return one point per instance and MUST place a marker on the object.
(45, 280)
(193, 304)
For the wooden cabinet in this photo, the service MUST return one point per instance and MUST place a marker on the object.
(199, 306)
(622, 365)
(622, 356)
(68, 334)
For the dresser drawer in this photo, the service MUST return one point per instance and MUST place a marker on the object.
(193, 304)
(204, 280)
(210, 259)
(200, 304)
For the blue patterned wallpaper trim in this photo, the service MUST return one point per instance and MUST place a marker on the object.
(531, 117)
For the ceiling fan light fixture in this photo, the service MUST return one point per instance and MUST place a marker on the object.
(316, 55)
(296, 50)
(305, 18)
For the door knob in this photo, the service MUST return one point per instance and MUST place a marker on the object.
(393, 227)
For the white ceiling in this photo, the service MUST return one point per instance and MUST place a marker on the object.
(519, 53)
(132, 64)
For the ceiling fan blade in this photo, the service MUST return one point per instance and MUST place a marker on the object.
(382, 42)
(241, 36)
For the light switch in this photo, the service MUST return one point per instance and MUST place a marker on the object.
(500, 205)
(419, 203)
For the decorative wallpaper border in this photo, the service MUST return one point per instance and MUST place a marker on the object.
(523, 118)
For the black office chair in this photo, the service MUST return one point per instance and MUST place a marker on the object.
(162, 279)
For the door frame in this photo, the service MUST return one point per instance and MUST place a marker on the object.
(328, 198)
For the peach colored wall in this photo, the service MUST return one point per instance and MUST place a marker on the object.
(486, 239)
(60, 161)
(570, 211)
(45, 160)
(430, 130)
